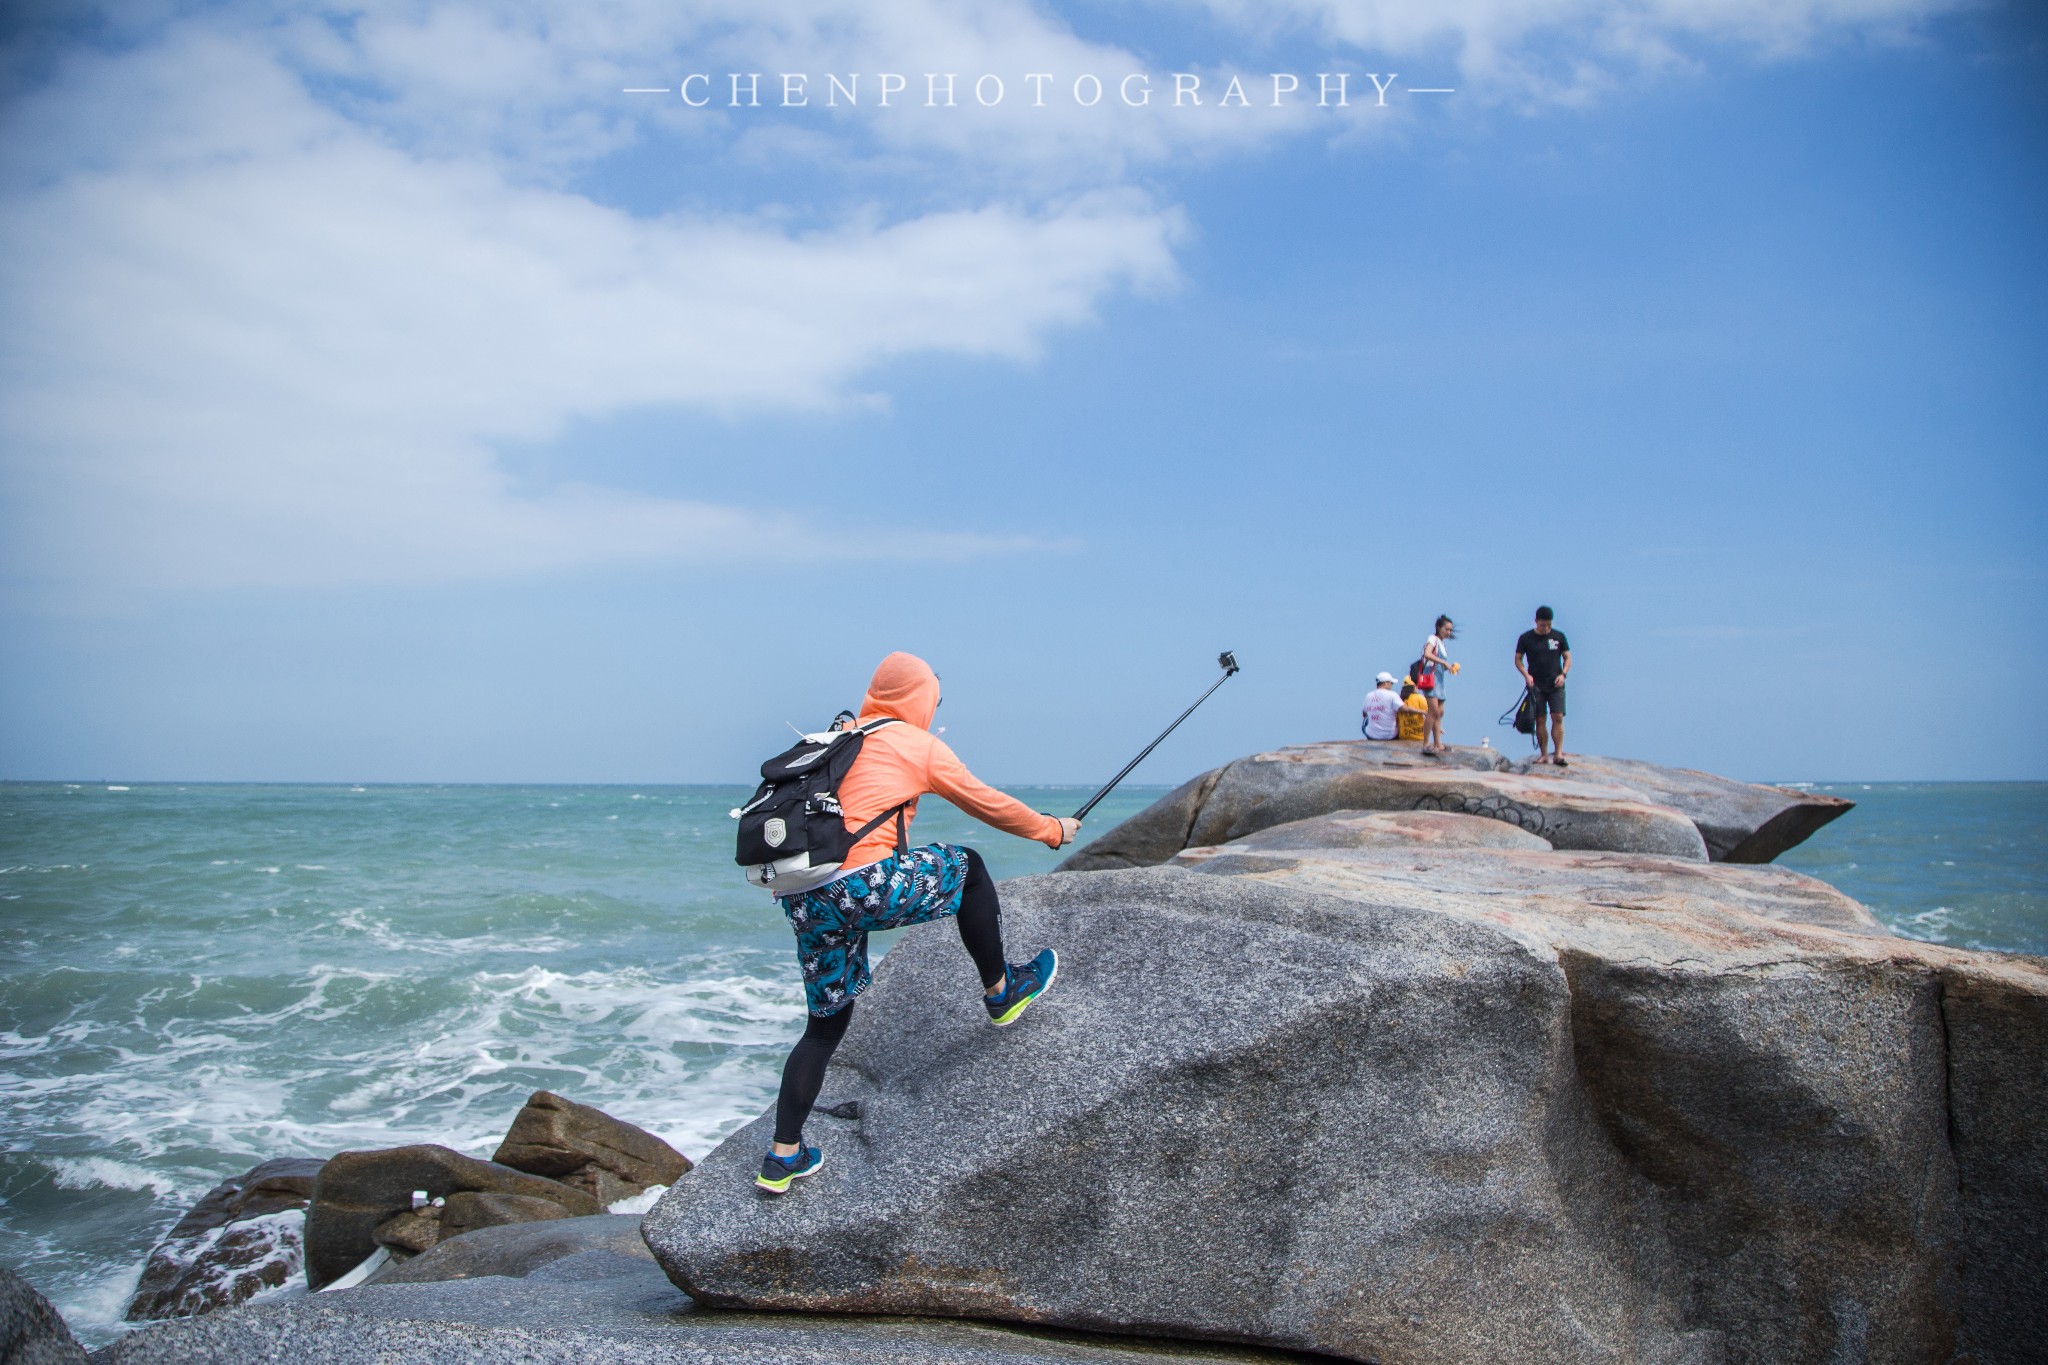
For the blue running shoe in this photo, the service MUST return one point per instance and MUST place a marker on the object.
(1026, 982)
(778, 1171)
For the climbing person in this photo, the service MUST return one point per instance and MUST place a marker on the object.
(885, 884)
(1433, 670)
(1543, 656)
(1382, 709)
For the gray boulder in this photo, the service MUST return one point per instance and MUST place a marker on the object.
(1741, 822)
(1737, 821)
(587, 1148)
(31, 1331)
(519, 1249)
(1402, 829)
(244, 1235)
(1299, 783)
(358, 1192)
(1429, 1107)
(601, 1307)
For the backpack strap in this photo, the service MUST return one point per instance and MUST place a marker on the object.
(902, 844)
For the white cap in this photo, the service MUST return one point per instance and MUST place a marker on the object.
(1384, 677)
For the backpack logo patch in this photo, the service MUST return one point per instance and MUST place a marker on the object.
(775, 831)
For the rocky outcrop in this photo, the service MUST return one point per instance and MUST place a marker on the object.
(245, 1235)
(1611, 805)
(587, 1148)
(1300, 783)
(1349, 829)
(602, 1307)
(359, 1193)
(1432, 1106)
(1741, 822)
(31, 1331)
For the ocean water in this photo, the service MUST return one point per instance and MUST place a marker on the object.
(1961, 863)
(197, 978)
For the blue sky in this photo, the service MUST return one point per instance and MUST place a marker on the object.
(384, 395)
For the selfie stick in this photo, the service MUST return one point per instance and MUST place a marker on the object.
(1225, 661)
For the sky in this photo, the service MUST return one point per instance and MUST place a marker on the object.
(387, 394)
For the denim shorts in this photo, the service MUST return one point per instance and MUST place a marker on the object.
(832, 921)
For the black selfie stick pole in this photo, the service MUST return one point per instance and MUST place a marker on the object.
(1225, 661)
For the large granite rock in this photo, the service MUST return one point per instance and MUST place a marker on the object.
(359, 1192)
(602, 1307)
(1737, 821)
(245, 1235)
(1351, 829)
(587, 1148)
(1742, 822)
(31, 1331)
(1434, 1107)
(1254, 793)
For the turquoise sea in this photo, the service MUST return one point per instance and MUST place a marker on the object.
(196, 978)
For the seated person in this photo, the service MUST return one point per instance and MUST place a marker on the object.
(1382, 705)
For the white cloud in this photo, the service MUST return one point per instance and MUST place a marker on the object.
(282, 277)
(255, 343)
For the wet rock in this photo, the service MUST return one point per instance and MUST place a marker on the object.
(1576, 1107)
(1300, 783)
(1407, 829)
(1741, 822)
(244, 1235)
(31, 1331)
(358, 1192)
(605, 1157)
(519, 1249)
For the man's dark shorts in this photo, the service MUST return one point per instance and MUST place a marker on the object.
(1540, 701)
(832, 922)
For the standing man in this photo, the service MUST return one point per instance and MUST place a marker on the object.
(1543, 657)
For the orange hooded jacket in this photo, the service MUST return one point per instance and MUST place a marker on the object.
(903, 762)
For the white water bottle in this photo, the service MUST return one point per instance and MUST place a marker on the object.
(1486, 741)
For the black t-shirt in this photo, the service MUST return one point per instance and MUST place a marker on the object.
(1545, 656)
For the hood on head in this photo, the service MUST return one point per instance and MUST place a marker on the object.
(905, 687)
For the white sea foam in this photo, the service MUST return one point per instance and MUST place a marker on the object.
(639, 1203)
(85, 1173)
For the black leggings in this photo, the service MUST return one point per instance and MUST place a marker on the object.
(981, 931)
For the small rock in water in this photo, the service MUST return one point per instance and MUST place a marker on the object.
(587, 1148)
(245, 1235)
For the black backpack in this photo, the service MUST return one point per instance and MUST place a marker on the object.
(793, 835)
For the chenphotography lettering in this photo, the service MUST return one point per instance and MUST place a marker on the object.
(1034, 89)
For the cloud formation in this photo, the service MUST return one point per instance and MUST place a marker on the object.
(283, 278)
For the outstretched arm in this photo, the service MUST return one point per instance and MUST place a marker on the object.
(949, 778)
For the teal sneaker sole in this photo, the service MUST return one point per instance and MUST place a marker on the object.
(782, 1186)
(1009, 1016)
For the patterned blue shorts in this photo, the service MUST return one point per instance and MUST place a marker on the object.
(832, 922)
